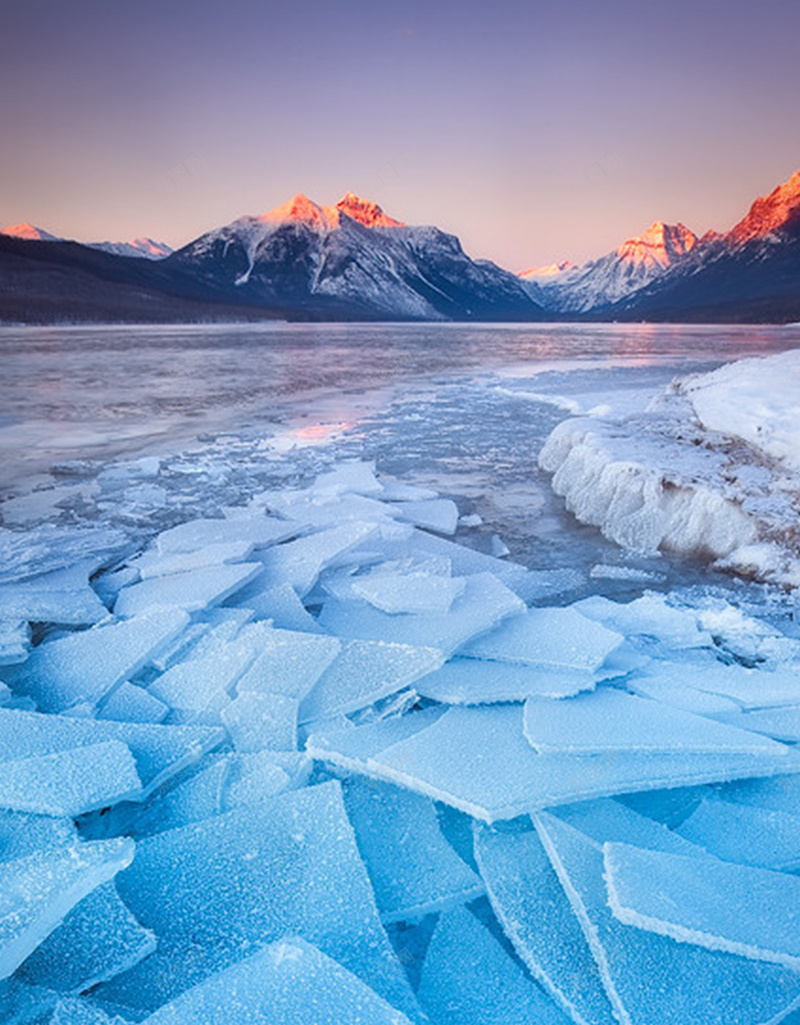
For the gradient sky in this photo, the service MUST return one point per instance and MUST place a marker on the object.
(533, 131)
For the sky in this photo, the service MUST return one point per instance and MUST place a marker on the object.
(534, 131)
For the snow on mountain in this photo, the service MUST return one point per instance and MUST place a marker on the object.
(769, 214)
(668, 269)
(352, 259)
(548, 271)
(750, 273)
(145, 248)
(565, 288)
(29, 232)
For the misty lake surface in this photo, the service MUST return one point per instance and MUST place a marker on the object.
(461, 408)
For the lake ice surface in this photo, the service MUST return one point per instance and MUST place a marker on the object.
(304, 842)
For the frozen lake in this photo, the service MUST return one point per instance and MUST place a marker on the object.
(464, 409)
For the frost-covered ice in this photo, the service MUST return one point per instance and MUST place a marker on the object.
(283, 983)
(414, 871)
(495, 992)
(702, 900)
(39, 890)
(306, 752)
(611, 720)
(536, 915)
(709, 469)
(648, 977)
(746, 834)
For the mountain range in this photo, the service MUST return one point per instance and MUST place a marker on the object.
(353, 261)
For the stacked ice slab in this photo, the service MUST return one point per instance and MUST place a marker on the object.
(313, 762)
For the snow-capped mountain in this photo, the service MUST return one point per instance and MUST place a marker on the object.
(143, 248)
(351, 260)
(548, 271)
(565, 288)
(29, 232)
(750, 272)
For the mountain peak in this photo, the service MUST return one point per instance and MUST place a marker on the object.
(660, 245)
(366, 212)
(29, 232)
(305, 211)
(550, 270)
(768, 213)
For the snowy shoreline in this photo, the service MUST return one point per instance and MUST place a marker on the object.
(711, 469)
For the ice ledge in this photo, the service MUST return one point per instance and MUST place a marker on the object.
(670, 479)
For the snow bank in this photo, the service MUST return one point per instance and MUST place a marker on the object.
(710, 469)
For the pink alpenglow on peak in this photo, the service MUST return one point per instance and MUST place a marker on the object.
(366, 212)
(550, 270)
(769, 213)
(660, 245)
(305, 211)
(324, 218)
(29, 232)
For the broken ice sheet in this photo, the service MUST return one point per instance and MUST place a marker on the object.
(651, 616)
(328, 509)
(750, 688)
(289, 982)
(664, 685)
(97, 940)
(299, 563)
(191, 800)
(537, 917)
(22, 833)
(70, 782)
(412, 867)
(745, 834)
(257, 722)
(63, 596)
(395, 591)
(256, 777)
(752, 912)
(779, 794)
(288, 662)
(192, 591)
(485, 603)
(281, 605)
(37, 891)
(778, 723)
(258, 531)
(611, 720)
(133, 704)
(437, 514)
(553, 637)
(86, 666)
(365, 672)
(650, 978)
(79, 1011)
(468, 681)
(159, 751)
(154, 564)
(214, 890)
(495, 991)
(464, 561)
(191, 686)
(15, 641)
(478, 760)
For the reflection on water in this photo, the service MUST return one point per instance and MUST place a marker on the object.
(99, 391)
(455, 407)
